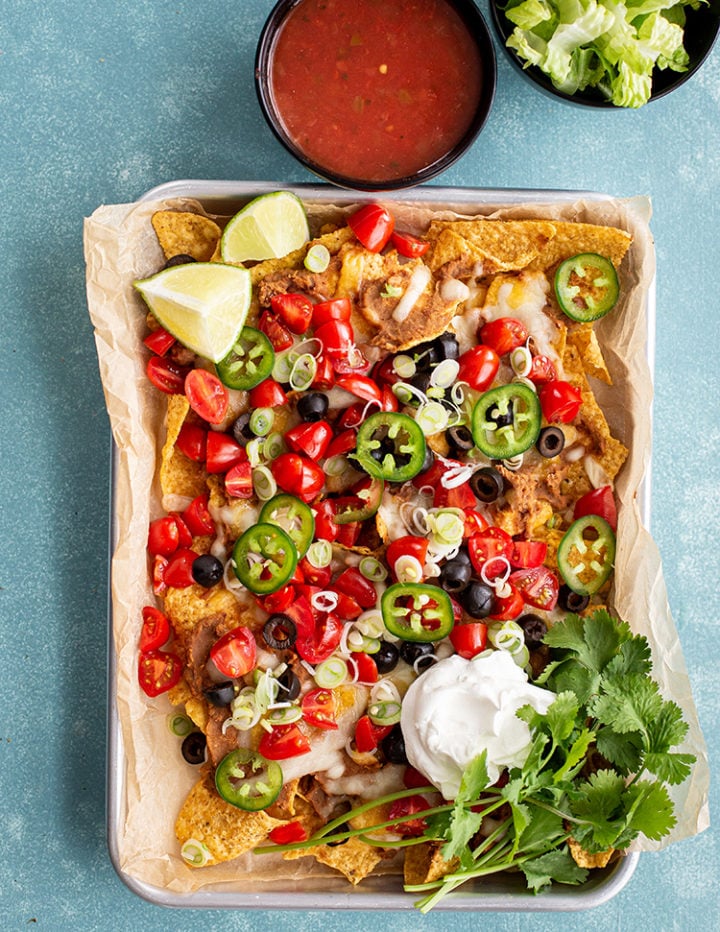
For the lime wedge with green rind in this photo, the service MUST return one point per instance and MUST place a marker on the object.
(269, 227)
(202, 304)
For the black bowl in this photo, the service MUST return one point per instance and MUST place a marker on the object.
(701, 31)
(478, 29)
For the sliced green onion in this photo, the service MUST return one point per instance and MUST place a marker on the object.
(372, 569)
(432, 418)
(303, 372)
(369, 645)
(447, 525)
(406, 393)
(179, 724)
(336, 465)
(355, 640)
(331, 673)
(261, 421)
(404, 366)
(408, 569)
(445, 373)
(319, 554)
(508, 636)
(264, 483)
(371, 623)
(282, 367)
(274, 445)
(521, 360)
(384, 713)
(285, 715)
(317, 258)
(195, 852)
(254, 451)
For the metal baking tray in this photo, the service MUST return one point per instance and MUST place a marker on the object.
(502, 893)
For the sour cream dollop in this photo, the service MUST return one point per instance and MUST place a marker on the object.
(458, 708)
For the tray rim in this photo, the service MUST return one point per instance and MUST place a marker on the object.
(555, 900)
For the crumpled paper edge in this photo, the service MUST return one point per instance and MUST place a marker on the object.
(120, 246)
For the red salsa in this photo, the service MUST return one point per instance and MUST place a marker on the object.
(375, 89)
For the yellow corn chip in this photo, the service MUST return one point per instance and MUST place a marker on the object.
(424, 863)
(570, 239)
(178, 474)
(586, 343)
(226, 831)
(187, 234)
(584, 858)
(498, 244)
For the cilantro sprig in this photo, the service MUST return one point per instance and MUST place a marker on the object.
(597, 771)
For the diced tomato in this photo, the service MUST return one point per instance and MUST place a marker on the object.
(238, 481)
(294, 310)
(178, 572)
(324, 374)
(366, 667)
(488, 544)
(599, 502)
(361, 386)
(342, 443)
(268, 394)
(504, 334)
(311, 438)
(478, 367)
(373, 225)
(368, 736)
(352, 582)
(163, 536)
(348, 534)
(155, 628)
(389, 401)
(347, 607)
(223, 452)
(207, 395)
(159, 341)
(325, 527)
(197, 516)
(192, 442)
(298, 475)
(275, 331)
(404, 807)
(166, 375)
(278, 601)
(235, 653)
(316, 575)
(542, 370)
(318, 708)
(336, 309)
(318, 633)
(353, 415)
(469, 638)
(337, 338)
(158, 671)
(474, 522)
(159, 585)
(538, 587)
(560, 401)
(413, 779)
(509, 606)
(409, 245)
(355, 364)
(528, 553)
(460, 496)
(282, 742)
(288, 833)
(184, 534)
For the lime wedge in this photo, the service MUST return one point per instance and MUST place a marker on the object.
(202, 304)
(269, 227)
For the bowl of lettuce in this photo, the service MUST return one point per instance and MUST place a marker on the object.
(605, 53)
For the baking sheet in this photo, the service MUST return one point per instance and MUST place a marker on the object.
(328, 891)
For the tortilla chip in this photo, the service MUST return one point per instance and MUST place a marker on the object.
(571, 238)
(294, 260)
(286, 805)
(501, 245)
(187, 607)
(585, 341)
(179, 475)
(225, 830)
(424, 863)
(187, 234)
(584, 858)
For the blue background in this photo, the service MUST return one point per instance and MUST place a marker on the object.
(100, 102)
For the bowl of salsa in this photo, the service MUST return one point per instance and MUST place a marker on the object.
(375, 95)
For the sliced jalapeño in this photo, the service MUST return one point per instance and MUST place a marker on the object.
(506, 421)
(293, 516)
(264, 558)
(390, 446)
(586, 554)
(586, 286)
(417, 612)
(246, 779)
(249, 362)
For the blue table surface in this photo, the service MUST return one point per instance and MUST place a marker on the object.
(100, 102)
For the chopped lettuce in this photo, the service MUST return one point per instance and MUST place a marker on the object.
(605, 44)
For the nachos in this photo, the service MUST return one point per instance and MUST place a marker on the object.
(401, 460)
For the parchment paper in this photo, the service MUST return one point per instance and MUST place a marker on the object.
(120, 246)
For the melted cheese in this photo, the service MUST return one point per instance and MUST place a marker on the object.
(525, 298)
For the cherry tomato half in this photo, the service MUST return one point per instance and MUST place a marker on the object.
(469, 638)
(318, 708)
(282, 742)
(206, 395)
(336, 309)
(598, 502)
(405, 807)
(367, 671)
(288, 833)
(360, 385)
(298, 475)
(159, 341)
(235, 653)
(560, 401)
(337, 338)
(478, 367)
(166, 375)
(407, 546)
(504, 334)
(275, 331)
(223, 452)
(268, 394)
(373, 225)
(294, 310)
(352, 582)
(538, 587)
(488, 544)
(318, 634)
(409, 245)
(197, 516)
(238, 481)
(192, 442)
(155, 629)
(178, 572)
(311, 438)
(158, 671)
(509, 606)
(542, 370)
(163, 536)
(324, 374)
(526, 554)
(368, 736)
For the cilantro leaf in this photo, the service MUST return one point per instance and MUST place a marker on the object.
(628, 705)
(552, 866)
(542, 831)
(651, 810)
(623, 751)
